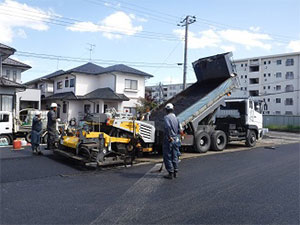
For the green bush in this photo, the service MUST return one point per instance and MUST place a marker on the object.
(288, 128)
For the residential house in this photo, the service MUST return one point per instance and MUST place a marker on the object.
(90, 88)
(11, 89)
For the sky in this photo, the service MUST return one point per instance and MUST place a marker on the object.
(62, 34)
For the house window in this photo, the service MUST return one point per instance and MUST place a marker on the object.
(269, 62)
(246, 64)
(277, 112)
(87, 108)
(97, 108)
(265, 62)
(269, 74)
(246, 76)
(289, 62)
(278, 100)
(268, 100)
(289, 75)
(131, 84)
(65, 107)
(242, 65)
(269, 87)
(15, 75)
(66, 83)
(242, 77)
(288, 113)
(59, 85)
(278, 74)
(72, 82)
(289, 88)
(241, 88)
(265, 75)
(245, 88)
(278, 87)
(289, 101)
(6, 103)
(278, 62)
(264, 87)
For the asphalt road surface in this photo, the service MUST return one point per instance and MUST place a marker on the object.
(259, 186)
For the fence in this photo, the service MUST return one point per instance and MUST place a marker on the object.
(281, 120)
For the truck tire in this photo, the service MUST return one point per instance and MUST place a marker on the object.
(251, 138)
(7, 137)
(218, 140)
(202, 142)
(28, 137)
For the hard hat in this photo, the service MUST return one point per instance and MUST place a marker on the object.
(169, 106)
(53, 105)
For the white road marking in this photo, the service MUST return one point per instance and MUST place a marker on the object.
(133, 201)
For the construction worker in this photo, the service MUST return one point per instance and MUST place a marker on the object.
(37, 129)
(171, 142)
(51, 126)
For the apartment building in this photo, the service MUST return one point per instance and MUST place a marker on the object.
(273, 79)
(163, 92)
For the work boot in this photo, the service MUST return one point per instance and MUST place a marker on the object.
(175, 174)
(169, 176)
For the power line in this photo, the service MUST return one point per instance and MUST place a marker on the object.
(101, 61)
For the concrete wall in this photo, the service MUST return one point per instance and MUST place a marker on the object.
(281, 120)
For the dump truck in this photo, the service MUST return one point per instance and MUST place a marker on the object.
(196, 108)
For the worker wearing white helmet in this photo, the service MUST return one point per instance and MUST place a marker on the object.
(171, 143)
(51, 126)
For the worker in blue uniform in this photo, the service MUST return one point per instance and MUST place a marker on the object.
(51, 127)
(36, 131)
(171, 142)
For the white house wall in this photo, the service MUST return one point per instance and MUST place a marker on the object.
(63, 89)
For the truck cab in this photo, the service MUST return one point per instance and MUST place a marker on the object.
(6, 126)
(241, 119)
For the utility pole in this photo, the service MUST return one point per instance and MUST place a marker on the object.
(185, 23)
(91, 48)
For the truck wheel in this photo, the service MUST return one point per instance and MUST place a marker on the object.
(218, 140)
(7, 137)
(202, 142)
(28, 137)
(251, 139)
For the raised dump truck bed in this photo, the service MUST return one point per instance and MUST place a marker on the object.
(215, 79)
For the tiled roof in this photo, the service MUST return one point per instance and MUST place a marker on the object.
(88, 68)
(15, 63)
(125, 69)
(6, 51)
(8, 83)
(56, 73)
(104, 93)
(62, 96)
(6, 47)
(100, 93)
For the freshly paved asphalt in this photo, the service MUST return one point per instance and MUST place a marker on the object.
(259, 186)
